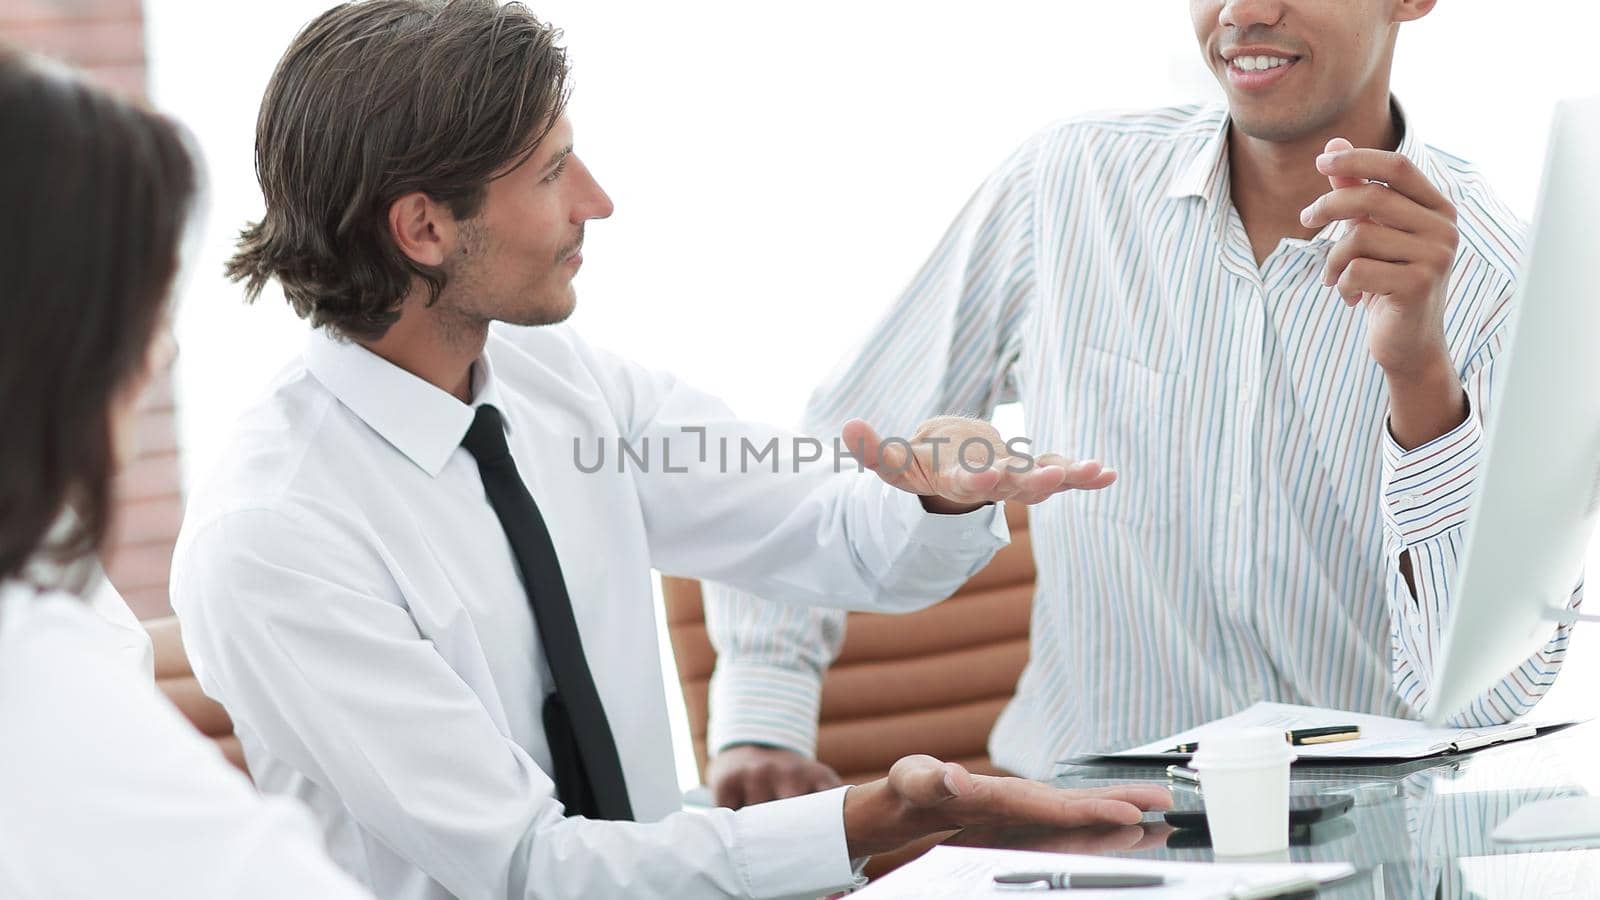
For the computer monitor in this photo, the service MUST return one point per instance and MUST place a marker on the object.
(1538, 490)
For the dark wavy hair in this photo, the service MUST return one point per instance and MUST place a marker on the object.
(375, 100)
(96, 193)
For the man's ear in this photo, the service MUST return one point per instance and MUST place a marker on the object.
(422, 228)
(1412, 10)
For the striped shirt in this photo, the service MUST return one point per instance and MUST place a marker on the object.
(1250, 548)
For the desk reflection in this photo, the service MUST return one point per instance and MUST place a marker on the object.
(1417, 830)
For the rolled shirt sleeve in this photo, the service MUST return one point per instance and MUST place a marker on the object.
(1426, 502)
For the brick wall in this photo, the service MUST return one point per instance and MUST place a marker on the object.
(106, 39)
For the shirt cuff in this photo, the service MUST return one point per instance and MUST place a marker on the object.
(795, 847)
(764, 703)
(1427, 490)
(982, 530)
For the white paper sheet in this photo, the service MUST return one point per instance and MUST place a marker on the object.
(1381, 737)
(949, 873)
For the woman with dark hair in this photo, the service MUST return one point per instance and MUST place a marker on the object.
(105, 790)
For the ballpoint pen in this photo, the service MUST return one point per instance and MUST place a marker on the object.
(1069, 880)
(1182, 773)
(1299, 737)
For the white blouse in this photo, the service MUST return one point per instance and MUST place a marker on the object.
(105, 789)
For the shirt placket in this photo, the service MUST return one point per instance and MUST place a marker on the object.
(1243, 383)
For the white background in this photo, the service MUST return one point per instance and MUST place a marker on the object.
(780, 170)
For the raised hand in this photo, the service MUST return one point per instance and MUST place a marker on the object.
(1395, 256)
(957, 464)
(1395, 261)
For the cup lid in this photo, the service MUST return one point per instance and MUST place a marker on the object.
(1243, 748)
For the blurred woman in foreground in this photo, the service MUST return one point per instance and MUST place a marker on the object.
(105, 790)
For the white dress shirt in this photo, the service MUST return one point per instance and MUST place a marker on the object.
(1250, 548)
(133, 642)
(348, 594)
(87, 577)
(106, 791)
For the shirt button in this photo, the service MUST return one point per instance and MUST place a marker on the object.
(1410, 499)
(1237, 500)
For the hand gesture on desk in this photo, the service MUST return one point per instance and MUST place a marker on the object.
(924, 796)
(957, 464)
(746, 774)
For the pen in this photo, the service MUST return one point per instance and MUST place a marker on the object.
(1183, 774)
(1329, 735)
(1299, 737)
(1068, 880)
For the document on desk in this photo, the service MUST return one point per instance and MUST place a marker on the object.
(1382, 738)
(948, 873)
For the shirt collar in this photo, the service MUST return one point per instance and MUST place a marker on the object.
(1206, 174)
(420, 420)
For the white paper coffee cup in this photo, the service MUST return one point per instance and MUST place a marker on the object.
(1244, 776)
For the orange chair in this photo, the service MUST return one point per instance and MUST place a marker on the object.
(176, 679)
(928, 682)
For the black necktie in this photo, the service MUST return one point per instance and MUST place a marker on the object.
(588, 774)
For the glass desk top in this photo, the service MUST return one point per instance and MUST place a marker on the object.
(1418, 829)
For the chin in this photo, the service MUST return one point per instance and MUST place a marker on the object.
(1278, 126)
(546, 311)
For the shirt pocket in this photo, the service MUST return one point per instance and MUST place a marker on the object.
(1131, 415)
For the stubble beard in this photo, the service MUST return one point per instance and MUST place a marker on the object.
(469, 304)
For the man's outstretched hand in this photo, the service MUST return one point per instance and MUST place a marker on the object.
(957, 465)
(924, 796)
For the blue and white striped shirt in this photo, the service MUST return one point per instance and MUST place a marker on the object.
(1249, 550)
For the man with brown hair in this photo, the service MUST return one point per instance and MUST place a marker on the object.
(429, 614)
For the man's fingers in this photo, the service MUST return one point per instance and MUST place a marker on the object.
(759, 786)
(1088, 474)
(729, 792)
(966, 799)
(1390, 168)
(980, 486)
(824, 778)
(1144, 796)
(1021, 801)
(863, 441)
(1371, 276)
(926, 782)
(1337, 145)
(1081, 474)
(1050, 474)
(794, 782)
(1371, 201)
(1369, 240)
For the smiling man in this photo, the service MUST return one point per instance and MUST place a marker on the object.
(1285, 343)
(432, 626)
